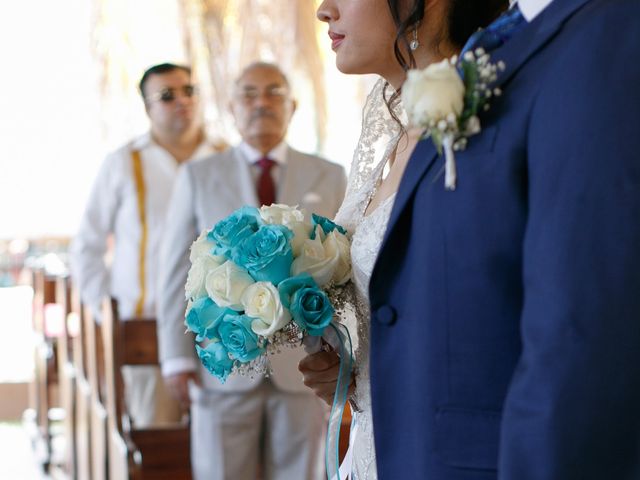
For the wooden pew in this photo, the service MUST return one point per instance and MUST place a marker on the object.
(82, 434)
(67, 372)
(96, 375)
(45, 382)
(153, 453)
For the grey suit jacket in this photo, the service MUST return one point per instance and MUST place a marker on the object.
(206, 191)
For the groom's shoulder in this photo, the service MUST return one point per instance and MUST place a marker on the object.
(616, 8)
(607, 21)
(601, 38)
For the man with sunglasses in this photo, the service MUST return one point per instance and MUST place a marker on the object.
(128, 202)
(274, 424)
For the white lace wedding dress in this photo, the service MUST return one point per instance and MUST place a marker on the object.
(380, 134)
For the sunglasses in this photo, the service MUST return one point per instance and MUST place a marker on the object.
(167, 95)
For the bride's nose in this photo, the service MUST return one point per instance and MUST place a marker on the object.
(327, 11)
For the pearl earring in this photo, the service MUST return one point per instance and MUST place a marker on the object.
(414, 42)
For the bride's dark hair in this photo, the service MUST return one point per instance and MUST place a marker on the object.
(464, 18)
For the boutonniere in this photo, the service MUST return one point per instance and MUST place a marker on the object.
(444, 99)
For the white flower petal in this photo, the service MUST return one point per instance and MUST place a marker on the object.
(261, 301)
(226, 284)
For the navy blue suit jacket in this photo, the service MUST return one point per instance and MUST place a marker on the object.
(505, 337)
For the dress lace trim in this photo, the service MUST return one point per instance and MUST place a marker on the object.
(379, 136)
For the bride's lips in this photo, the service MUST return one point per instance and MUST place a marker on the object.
(336, 39)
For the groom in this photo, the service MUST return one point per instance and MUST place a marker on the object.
(511, 306)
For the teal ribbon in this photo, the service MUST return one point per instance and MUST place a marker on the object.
(344, 350)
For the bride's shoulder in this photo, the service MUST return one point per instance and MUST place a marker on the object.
(349, 213)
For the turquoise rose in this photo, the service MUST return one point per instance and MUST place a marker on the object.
(310, 307)
(230, 231)
(267, 254)
(216, 359)
(204, 317)
(327, 225)
(238, 338)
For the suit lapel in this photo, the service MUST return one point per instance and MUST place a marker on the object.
(233, 179)
(424, 155)
(297, 180)
(246, 180)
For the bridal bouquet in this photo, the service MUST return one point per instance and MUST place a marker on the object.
(260, 280)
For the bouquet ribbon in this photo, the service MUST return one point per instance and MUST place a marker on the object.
(338, 337)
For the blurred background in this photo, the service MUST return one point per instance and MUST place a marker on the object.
(68, 96)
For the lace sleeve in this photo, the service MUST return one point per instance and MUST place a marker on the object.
(378, 137)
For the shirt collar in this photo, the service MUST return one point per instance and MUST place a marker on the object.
(278, 154)
(142, 141)
(532, 8)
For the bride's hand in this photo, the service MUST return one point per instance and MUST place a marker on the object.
(320, 372)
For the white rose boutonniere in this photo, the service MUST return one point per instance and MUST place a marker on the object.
(435, 93)
(445, 99)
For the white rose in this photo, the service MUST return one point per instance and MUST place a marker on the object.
(281, 214)
(226, 284)
(301, 232)
(337, 245)
(315, 261)
(200, 268)
(202, 246)
(261, 301)
(433, 94)
(292, 218)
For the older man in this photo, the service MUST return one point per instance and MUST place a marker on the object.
(128, 202)
(274, 422)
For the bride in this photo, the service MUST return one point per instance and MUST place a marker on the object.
(385, 37)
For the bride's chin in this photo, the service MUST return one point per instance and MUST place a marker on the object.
(351, 68)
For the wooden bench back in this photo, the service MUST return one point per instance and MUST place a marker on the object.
(152, 453)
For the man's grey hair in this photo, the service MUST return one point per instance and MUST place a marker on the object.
(261, 64)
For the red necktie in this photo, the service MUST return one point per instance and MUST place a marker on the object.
(266, 186)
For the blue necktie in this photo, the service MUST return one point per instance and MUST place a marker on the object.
(497, 33)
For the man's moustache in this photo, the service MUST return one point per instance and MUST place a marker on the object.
(262, 113)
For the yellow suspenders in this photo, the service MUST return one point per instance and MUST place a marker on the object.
(138, 177)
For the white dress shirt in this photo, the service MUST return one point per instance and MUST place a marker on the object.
(532, 8)
(112, 211)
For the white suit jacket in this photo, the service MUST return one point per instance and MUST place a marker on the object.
(207, 191)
